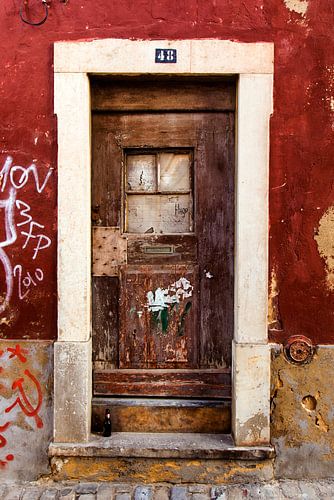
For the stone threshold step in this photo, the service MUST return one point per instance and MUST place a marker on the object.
(162, 445)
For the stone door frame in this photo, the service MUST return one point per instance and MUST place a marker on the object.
(253, 65)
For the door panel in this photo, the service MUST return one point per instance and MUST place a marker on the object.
(215, 230)
(163, 218)
(158, 327)
(184, 248)
(105, 322)
(170, 94)
(164, 383)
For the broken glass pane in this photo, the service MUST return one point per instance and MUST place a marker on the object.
(141, 173)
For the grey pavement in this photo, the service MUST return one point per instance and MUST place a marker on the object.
(282, 489)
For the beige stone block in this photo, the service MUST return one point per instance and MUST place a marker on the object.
(72, 106)
(193, 56)
(119, 56)
(251, 394)
(72, 391)
(251, 254)
(227, 57)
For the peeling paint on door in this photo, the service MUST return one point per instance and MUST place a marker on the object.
(162, 299)
(162, 302)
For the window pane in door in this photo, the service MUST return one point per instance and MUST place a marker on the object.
(174, 171)
(158, 214)
(141, 173)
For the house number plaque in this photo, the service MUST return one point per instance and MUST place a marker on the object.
(165, 56)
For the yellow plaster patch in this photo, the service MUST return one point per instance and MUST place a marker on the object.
(320, 422)
(298, 6)
(158, 470)
(325, 242)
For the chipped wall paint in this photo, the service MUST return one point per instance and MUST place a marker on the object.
(25, 408)
(274, 320)
(325, 241)
(330, 91)
(298, 6)
(300, 168)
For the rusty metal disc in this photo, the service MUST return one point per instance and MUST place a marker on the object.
(299, 349)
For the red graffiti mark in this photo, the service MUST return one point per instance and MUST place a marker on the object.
(3, 440)
(17, 351)
(1, 352)
(9, 458)
(1, 385)
(24, 402)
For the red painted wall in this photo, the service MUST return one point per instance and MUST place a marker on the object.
(302, 149)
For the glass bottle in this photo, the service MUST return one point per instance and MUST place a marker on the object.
(107, 424)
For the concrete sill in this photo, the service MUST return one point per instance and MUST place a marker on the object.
(162, 445)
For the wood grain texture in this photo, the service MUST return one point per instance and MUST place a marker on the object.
(149, 336)
(184, 249)
(166, 94)
(161, 333)
(164, 383)
(215, 229)
(106, 175)
(105, 321)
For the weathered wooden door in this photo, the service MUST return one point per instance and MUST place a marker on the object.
(163, 219)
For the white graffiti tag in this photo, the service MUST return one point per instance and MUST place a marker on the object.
(10, 237)
(19, 176)
(27, 281)
(15, 177)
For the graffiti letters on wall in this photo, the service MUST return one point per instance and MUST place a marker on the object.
(22, 391)
(26, 298)
(20, 226)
